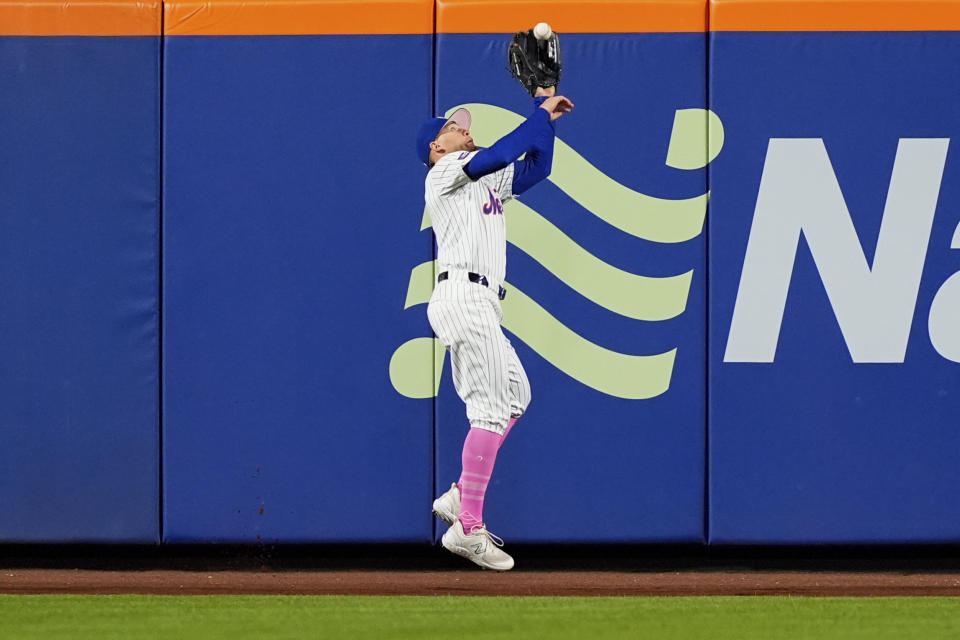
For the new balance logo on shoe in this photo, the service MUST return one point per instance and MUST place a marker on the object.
(479, 546)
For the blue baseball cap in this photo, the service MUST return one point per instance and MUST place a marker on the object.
(431, 128)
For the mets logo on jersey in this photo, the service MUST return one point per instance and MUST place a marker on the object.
(417, 365)
(494, 206)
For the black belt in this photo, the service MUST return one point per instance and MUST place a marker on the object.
(477, 278)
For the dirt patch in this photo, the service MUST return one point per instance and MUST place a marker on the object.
(480, 583)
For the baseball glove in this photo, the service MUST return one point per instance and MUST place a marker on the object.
(535, 63)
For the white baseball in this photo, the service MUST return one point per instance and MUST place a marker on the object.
(542, 31)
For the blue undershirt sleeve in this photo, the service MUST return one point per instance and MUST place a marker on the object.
(534, 135)
(536, 165)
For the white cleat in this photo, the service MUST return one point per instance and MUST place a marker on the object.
(480, 546)
(447, 506)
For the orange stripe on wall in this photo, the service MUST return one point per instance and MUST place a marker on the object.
(296, 17)
(834, 15)
(79, 17)
(572, 16)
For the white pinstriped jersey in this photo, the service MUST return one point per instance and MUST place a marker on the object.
(467, 219)
(467, 216)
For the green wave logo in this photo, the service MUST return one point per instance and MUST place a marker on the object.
(696, 139)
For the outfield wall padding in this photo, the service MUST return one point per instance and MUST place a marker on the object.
(611, 448)
(292, 201)
(79, 265)
(805, 393)
(833, 397)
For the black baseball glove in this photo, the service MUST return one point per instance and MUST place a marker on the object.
(535, 63)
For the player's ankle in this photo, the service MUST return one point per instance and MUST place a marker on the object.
(469, 524)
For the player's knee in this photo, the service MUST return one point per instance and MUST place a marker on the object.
(522, 400)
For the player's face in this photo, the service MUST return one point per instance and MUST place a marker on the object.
(453, 138)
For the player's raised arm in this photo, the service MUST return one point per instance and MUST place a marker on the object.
(534, 60)
(538, 162)
(533, 136)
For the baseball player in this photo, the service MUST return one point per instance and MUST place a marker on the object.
(465, 189)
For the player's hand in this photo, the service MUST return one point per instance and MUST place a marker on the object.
(557, 106)
(545, 91)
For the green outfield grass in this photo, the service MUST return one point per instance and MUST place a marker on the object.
(276, 617)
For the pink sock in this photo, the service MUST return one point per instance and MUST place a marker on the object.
(510, 424)
(479, 456)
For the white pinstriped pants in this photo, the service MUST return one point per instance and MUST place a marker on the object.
(487, 373)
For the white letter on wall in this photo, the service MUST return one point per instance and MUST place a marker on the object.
(799, 193)
(944, 321)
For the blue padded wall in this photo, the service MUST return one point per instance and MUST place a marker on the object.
(79, 213)
(292, 202)
(817, 444)
(584, 465)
